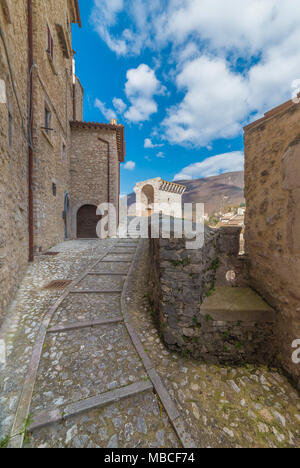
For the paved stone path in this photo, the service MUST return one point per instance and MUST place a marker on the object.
(105, 379)
(90, 387)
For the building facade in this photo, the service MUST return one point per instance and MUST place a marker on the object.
(272, 234)
(55, 169)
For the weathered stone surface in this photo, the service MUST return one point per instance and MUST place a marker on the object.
(136, 422)
(22, 323)
(79, 364)
(14, 155)
(233, 324)
(220, 405)
(272, 168)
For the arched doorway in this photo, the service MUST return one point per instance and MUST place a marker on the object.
(87, 221)
(147, 199)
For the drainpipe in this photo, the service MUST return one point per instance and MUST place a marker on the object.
(30, 128)
(108, 167)
(74, 103)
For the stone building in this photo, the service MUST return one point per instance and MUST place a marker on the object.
(272, 177)
(55, 169)
(157, 195)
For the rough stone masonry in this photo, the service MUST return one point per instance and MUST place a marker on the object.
(74, 165)
(272, 234)
(201, 309)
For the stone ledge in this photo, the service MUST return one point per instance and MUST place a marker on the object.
(237, 304)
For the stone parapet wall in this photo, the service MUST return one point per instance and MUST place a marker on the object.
(181, 279)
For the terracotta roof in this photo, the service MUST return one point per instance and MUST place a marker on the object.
(172, 185)
(78, 12)
(119, 129)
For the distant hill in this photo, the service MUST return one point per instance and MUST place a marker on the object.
(211, 191)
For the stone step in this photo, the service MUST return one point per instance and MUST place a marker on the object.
(237, 304)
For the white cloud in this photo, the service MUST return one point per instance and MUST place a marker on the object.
(160, 155)
(109, 114)
(119, 105)
(130, 166)
(228, 162)
(148, 144)
(208, 38)
(214, 103)
(130, 40)
(141, 87)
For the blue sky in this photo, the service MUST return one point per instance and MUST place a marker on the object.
(184, 77)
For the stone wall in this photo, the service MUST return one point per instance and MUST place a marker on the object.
(52, 87)
(14, 153)
(272, 173)
(181, 280)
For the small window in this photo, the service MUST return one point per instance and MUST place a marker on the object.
(50, 48)
(48, 118)
(10, 129)
(64, 152)
(54, 190)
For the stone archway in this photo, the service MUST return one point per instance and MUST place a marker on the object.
(147, 200)
(87, 221)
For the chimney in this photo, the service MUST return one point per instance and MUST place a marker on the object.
(113, 122)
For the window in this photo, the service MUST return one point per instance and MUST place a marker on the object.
(54, 189)
(50, 49)
(10, 129)
(64, 151)
(48, 118)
